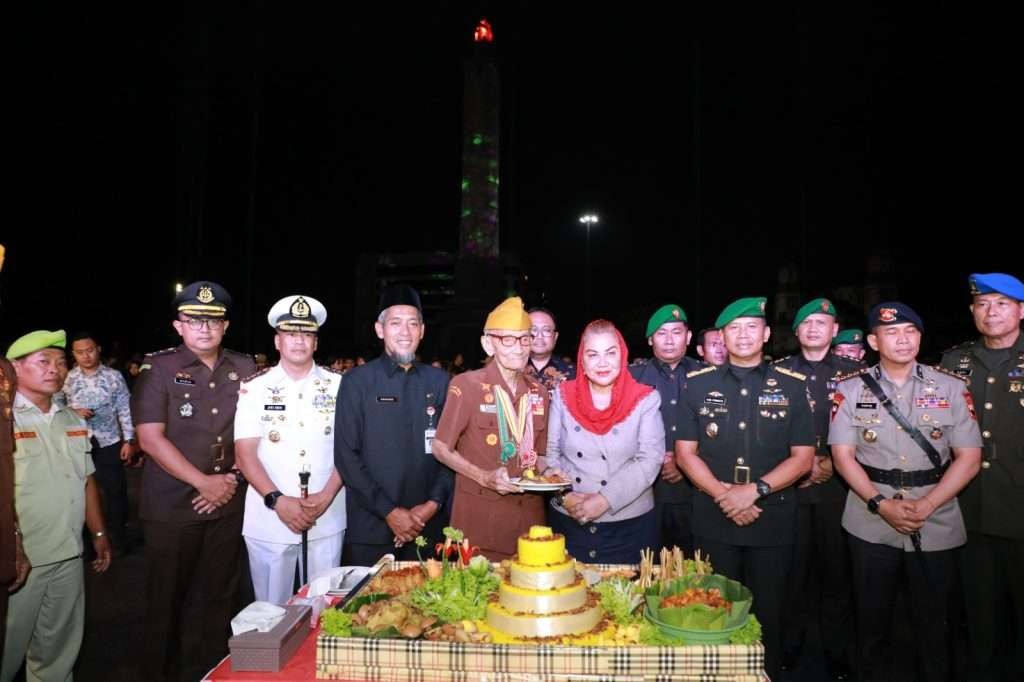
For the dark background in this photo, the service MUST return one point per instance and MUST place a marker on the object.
(267, 146)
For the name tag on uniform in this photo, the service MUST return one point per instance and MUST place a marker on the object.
(19, 435)
(80, 432)
(276, 408)
(387, 399)
(428, 440)
(867, 406)
(489, 409)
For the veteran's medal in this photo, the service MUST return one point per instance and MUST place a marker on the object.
(711, 429)
(870, 436)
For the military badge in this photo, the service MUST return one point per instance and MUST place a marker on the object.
(712, 430)
(205, 295)
(492, 439)
(299, 309)
(185, 410)
(233, 376)
(327, 430)
(274, 436)
(771, 381)
(184, 379)
(936, 433)
(1015, 386)
(704, 411)
(970, 405)
(715, 398)
(888, 314)
(431, 410)
(825, 305)
(488, 397)
(870, 436)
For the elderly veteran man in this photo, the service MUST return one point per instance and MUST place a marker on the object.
(184, 411)
(906, 439)
(746, 435)
(494, 427)
(284, 427)
(993, 503)
(54, 494)
(819, 579)
(384, 426)
(668, 336)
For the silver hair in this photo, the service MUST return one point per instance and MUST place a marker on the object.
(384, 313)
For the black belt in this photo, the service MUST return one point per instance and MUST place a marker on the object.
(897, 478)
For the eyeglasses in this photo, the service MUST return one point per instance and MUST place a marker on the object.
(539, 331)
(197, 324)
(509, 341)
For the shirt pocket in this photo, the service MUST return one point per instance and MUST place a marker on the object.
(936, 425)
(27, 452)
(80, 448)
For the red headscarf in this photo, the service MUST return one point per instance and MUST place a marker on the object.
(626, 391)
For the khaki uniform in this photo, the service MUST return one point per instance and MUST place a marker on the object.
(939, 406)
(469, 425)
(936, 404)
(47, 615)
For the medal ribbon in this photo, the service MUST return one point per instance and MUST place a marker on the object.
(511, 422)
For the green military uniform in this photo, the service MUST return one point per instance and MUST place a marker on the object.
(993, 505)
(820, 550)
(745, 420)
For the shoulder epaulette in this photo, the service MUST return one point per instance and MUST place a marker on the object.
(960, 347)
(702, 370)
(951, 373)
(256, 374)
(790, 372)
(775, 362)
(247, 356)
(851, 375)
(327, 368)
(165, 351)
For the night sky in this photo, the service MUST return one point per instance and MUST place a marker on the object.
(267, 148)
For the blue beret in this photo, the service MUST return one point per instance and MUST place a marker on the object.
(996, 283)
(894, 312)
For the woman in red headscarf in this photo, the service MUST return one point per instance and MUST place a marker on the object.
(606, 435)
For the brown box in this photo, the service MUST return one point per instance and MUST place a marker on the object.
(269, 651)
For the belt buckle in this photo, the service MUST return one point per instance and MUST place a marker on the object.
(741, 474)
(903, 480)
(217, 456)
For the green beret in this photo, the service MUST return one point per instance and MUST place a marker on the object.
(666, 313)
(818, 305)
(745, 307)
(34, 341)
(849, 336)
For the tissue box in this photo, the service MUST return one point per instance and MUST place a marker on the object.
(269, 651)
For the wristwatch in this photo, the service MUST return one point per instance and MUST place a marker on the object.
(270, 499)
(874, 503)
(763, 488)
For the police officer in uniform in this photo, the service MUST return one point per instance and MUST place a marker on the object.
(820, 548)
(993, 503)
(746, 436)
(284, 426)
(184, 410)
(388, 410)
(905, 438)
(668, 337)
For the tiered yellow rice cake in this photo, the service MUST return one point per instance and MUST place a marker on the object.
(543, 596)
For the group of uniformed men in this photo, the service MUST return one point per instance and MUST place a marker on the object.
(360, 467)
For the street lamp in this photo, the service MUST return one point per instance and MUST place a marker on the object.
(588, 219)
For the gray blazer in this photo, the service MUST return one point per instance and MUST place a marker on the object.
(622, 464)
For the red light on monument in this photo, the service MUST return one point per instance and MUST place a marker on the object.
(483, 32)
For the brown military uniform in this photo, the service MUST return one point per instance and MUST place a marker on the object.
(8, 387)
(187, 551)
(469, 425)
(197, 407)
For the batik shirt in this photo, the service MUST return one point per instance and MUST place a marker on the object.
(106, 394)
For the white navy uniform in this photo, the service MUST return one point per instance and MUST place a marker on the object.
(294, 421)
